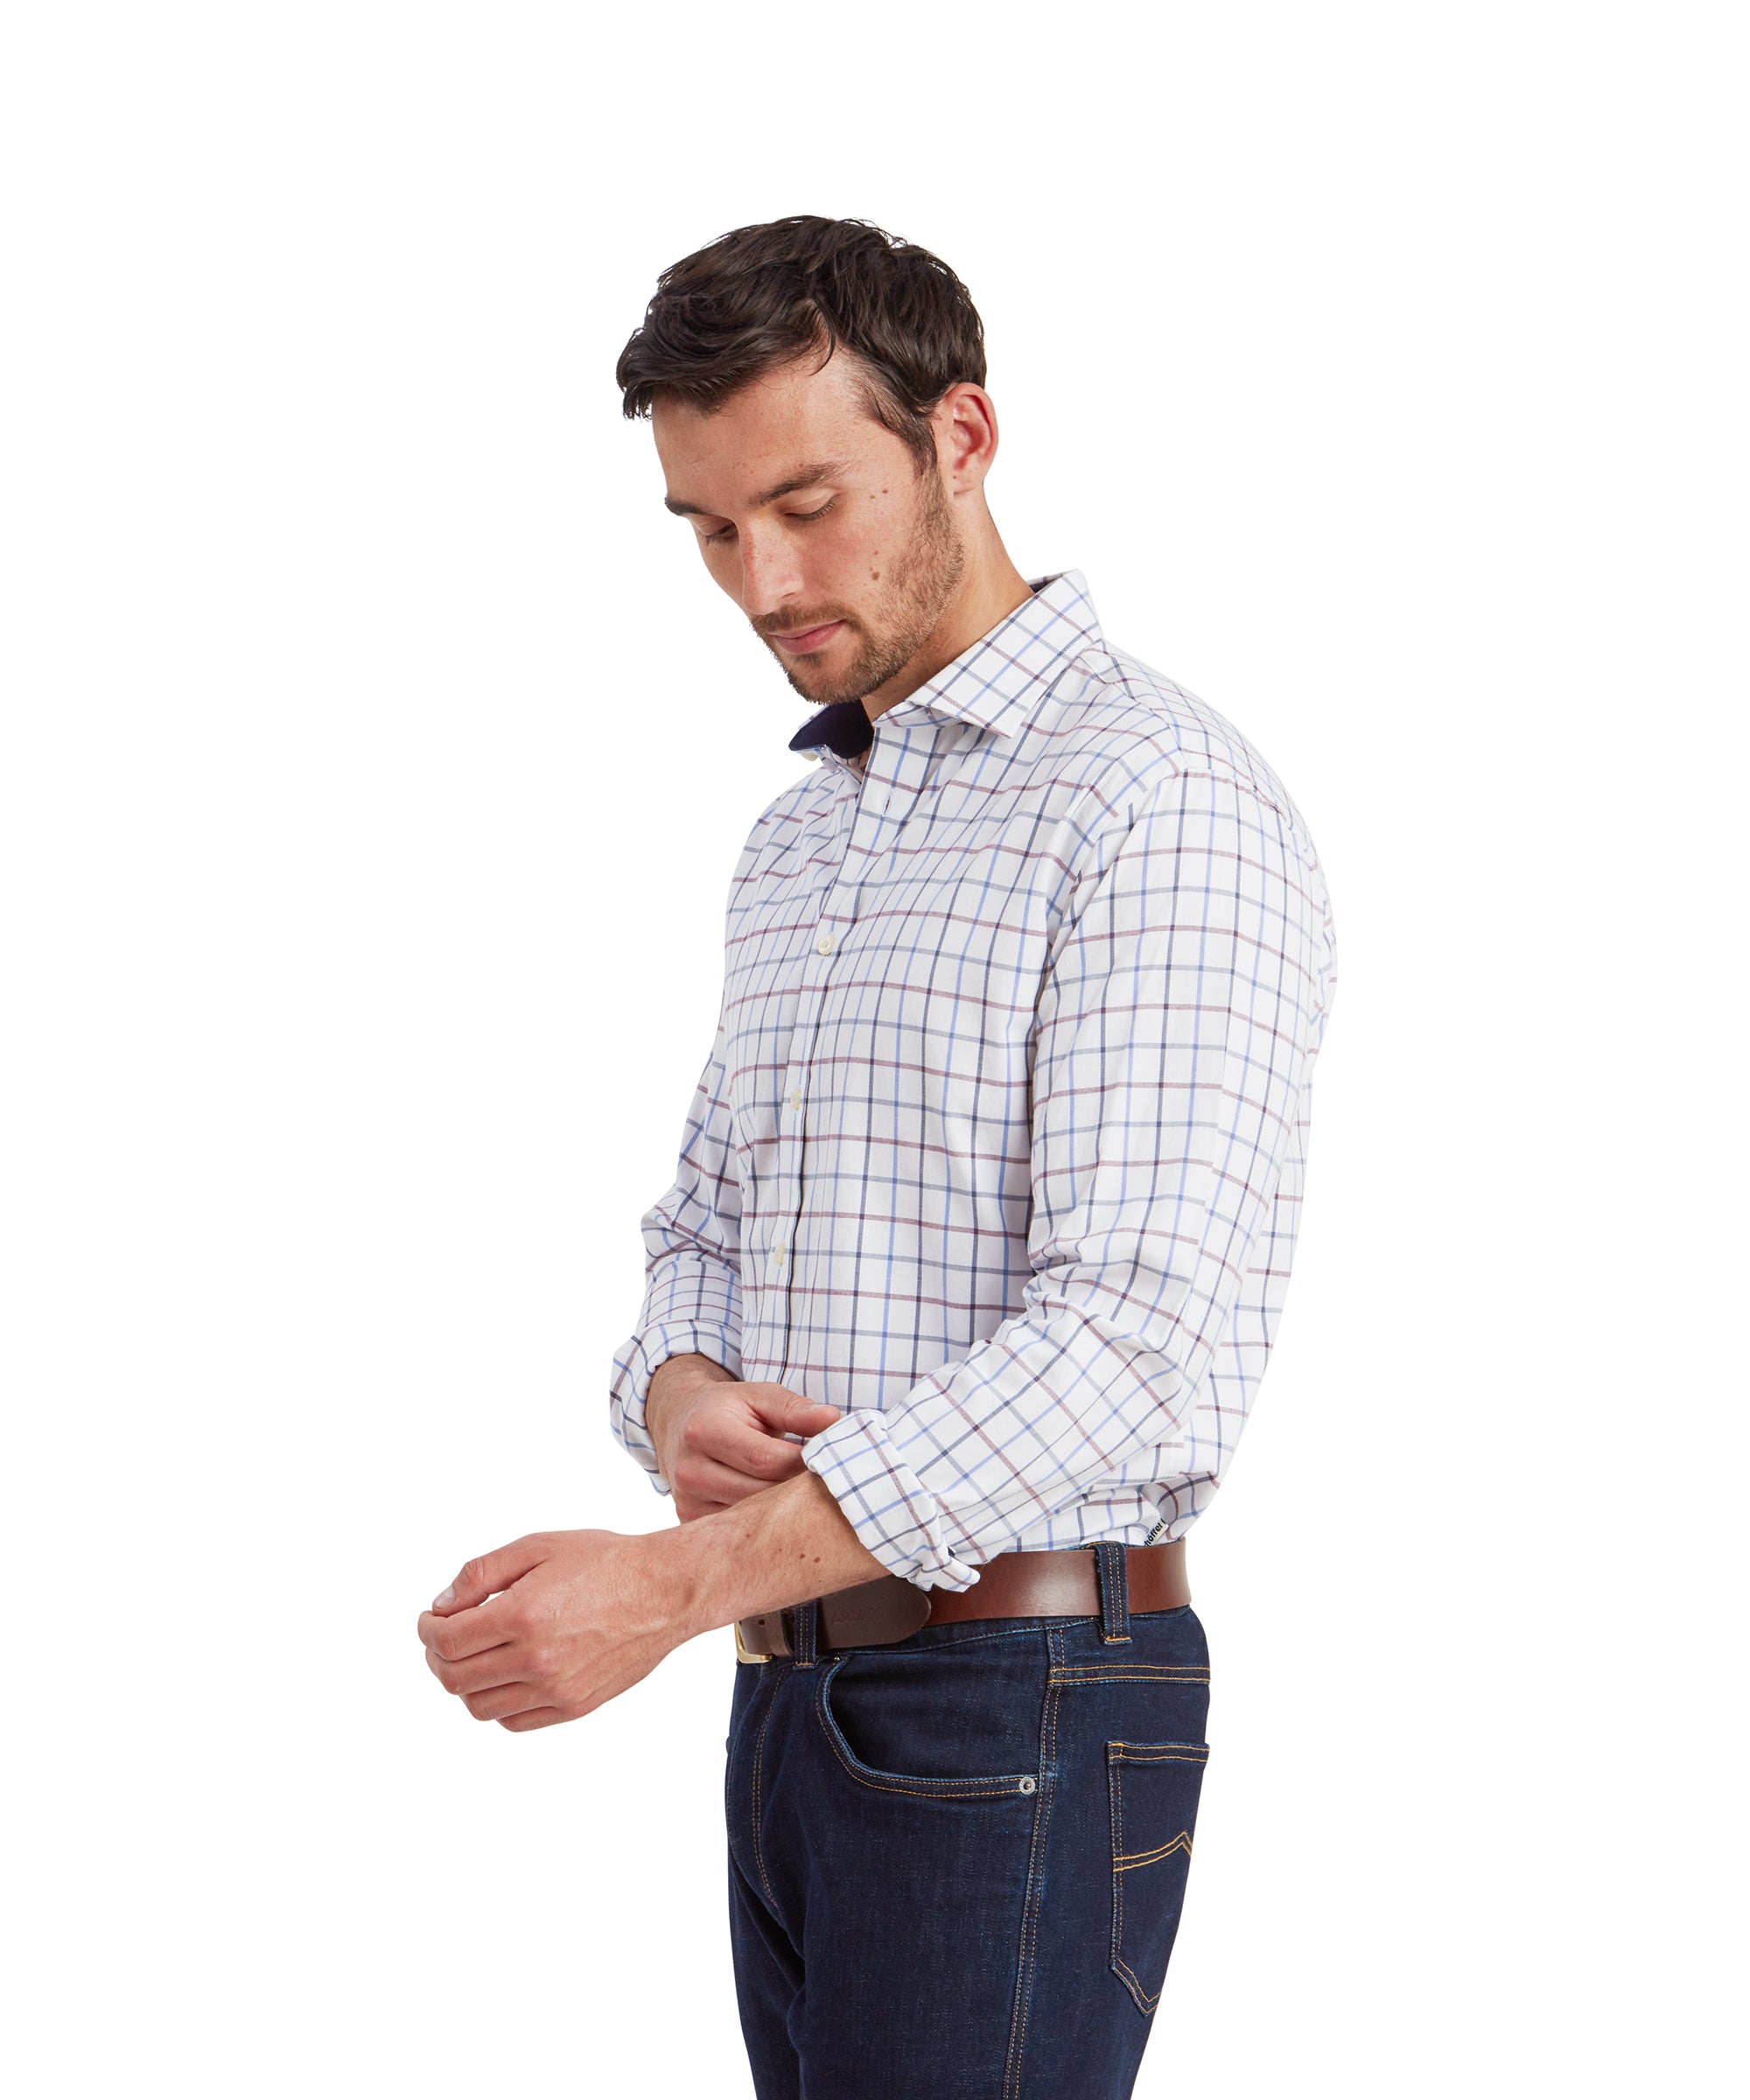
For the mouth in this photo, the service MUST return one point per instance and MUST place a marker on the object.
(806, 640)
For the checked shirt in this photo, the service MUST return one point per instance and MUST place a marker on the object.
(1002, 1144)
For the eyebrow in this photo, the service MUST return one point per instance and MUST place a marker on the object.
(809, 477)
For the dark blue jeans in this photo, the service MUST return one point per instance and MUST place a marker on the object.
(956, 1863)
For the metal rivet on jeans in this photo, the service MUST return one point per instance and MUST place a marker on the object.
(1029, 1785)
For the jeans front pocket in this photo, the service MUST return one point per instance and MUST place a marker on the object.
(931, 1724)
(1154, 1788)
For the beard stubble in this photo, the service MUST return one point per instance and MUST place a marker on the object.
(921, 581)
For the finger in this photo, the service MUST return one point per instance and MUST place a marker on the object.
(700, 1477)
(687, 1506)
(503, 1699)
(479, 1673)
(484, 1578)
(467, 1634)
(541, 1717)
(743, 1449)
(702, 1473)
(792, 1412)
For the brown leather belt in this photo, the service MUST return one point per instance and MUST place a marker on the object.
(1014, 1585)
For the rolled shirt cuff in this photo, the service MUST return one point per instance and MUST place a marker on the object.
(636, 1366)
(895, 1515)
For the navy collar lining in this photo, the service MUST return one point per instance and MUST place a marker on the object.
(843, 726)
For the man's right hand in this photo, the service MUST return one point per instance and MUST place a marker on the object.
(719, 1440)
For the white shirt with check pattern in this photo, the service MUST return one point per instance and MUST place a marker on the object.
(1002, 1144)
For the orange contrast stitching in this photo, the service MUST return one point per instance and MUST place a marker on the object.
(927, 1789)
(1180, 1844)
(1197, 1672)
(1029, 1925)
(1117, 1795)
(1120, 1673)
(759, 1757)
(1119, 1754)
(1147, 2000)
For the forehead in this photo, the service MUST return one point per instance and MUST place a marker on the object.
(759, 437)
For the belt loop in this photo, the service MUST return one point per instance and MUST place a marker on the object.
(1115, 1593)
(802, 1634)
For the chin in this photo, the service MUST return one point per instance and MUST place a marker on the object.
(822, 687)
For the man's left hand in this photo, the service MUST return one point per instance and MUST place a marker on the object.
(561, 1623)
(552, 1627)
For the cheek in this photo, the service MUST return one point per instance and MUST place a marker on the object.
(862, 556)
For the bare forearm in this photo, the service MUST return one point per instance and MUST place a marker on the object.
(548, 1628)
(778, 1548)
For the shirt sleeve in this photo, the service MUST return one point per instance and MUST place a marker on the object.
(1176, 1026)
(692, 1239)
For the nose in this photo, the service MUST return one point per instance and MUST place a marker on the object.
(770, 578)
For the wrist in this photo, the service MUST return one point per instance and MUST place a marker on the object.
(671, 1383)
(677, 1375)
(691, 1579)
(687, 1369)
(776, 1549)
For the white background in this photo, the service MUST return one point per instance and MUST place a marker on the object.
(376, 755)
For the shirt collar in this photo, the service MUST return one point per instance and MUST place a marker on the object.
(994, 684)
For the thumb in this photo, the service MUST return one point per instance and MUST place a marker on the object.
(481, 1578)
(792, 1411)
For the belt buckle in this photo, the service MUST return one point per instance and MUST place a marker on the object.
(743, 1654)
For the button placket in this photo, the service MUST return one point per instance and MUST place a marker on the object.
(913, 756)
(811, 1003)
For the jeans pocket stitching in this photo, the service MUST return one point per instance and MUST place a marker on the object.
(1117, 1756)
(759, 1764)
(1022, 1785)
(1121, 1672)
(1027, 1968)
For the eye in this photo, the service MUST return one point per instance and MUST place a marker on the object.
(807, 517)
(724, 532)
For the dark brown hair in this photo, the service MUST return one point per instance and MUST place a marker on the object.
(765, 295)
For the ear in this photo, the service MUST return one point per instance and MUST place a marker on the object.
(965, 425)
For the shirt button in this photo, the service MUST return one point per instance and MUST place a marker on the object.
(795, 1099)
(823, 942)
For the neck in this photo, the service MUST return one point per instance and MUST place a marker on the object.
(990, 588)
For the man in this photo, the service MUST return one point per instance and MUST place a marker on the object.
(980, 1235)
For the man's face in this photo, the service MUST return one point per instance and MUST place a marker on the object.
(816, 522)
